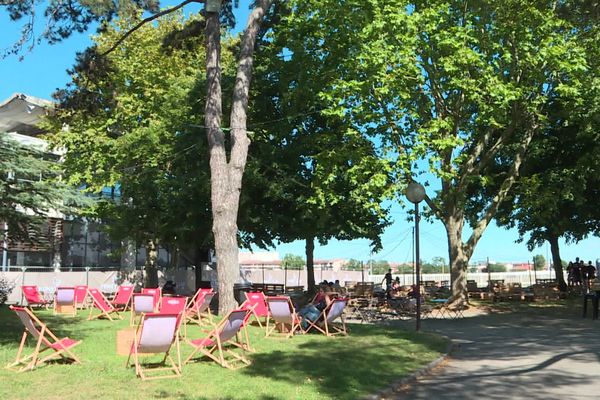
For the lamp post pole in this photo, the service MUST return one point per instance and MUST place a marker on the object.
(415, 193)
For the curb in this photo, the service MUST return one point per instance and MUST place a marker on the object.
(397, 386)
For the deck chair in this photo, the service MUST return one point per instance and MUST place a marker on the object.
(259, 302)
(199, 310)
(64, 301)
(45, 340)
(325, 323)
(102, 304)
(81, 296)
(156, 334)
(173, 305)
(283, 315)
(201, 292)
(122, 299)
(221, 341)
(157, 293)
(34, 298)
(142, 303)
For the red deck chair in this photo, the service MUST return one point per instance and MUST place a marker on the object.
(64, 301)
(81, 296)
(259, 302)
(142, 303)
(157, 293)
(45, 340)
(156, 334)
(173, 305)
(222, 340)
(199, 310)
(122, 299)
(325, 323)
(284, 316)
(102, 304)
(33, 297)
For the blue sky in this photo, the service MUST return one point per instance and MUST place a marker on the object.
(44, 70)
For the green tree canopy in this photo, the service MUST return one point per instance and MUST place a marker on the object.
(31, 190)
(293, 261)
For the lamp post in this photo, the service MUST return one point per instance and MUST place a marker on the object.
(415, 193)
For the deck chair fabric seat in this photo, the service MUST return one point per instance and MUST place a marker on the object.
(258, 302)
(101, 303)
(64, 300)
(326, 322)
(141, 303)
(157, 293)
(219, 343)
(33, 296)
(284, 316)
(122, 299)
(45, 340)
(81, 296)
(156, 334)
(198, 310)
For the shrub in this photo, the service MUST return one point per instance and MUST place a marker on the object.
(6, 287)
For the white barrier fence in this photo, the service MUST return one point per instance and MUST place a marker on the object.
(108, 281)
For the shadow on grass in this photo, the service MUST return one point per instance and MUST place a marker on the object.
(347, 367)
(61, 326)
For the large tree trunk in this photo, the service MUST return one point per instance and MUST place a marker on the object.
(150, 267)
(226, 176)
(310, 265)
(459, 260)
(558, 270)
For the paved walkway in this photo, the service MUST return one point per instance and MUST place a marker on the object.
(548, 354)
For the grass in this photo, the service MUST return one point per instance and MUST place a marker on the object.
(305, 367)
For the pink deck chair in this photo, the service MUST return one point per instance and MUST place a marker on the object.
(81, 296)
(199, 310)
(33, 297)
(283, 315)
(142, 303)
(45, 340)
(222, 340)
(102, 304)
(122, 299)
(64, 301)
(173, 305)
(157, 293)
(258, 301)
(326, 321)
(156, 334)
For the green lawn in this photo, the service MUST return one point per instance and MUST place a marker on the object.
(305, 367)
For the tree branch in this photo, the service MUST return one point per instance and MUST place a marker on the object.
(145, 21)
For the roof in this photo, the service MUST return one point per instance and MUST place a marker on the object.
(21, 113)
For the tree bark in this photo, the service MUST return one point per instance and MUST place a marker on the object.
(226, 175)
(558, 270)
(151, 268)
(310, 264)
(458, 260)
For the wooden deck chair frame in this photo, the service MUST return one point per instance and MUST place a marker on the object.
(284, 317)
(325, 322)
(252, 299)
(100, 302)
(61, 348)
(138, 344)
(34, 298)
(200, 292)
(64, 300)
(230, 326)
(128, 295)
(199, 310)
